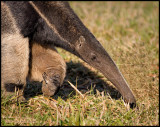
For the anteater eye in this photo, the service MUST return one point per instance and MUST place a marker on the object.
(93, 56)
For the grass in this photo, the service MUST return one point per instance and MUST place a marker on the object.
(129, 31)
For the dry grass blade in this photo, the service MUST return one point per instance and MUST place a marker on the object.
(75, 89)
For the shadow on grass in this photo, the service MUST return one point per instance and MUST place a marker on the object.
(85, 78)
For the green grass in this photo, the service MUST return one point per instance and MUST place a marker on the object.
(129, 31)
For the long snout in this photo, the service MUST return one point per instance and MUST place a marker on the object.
(91, 51)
